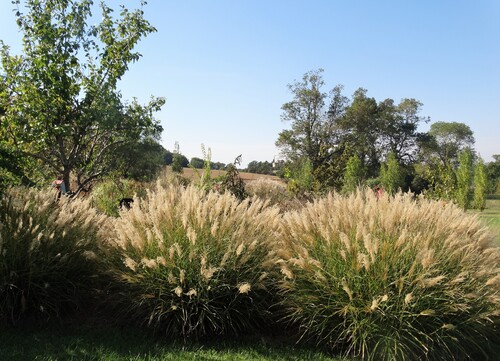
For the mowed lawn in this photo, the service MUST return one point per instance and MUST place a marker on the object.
(491, 215)
(108, 343)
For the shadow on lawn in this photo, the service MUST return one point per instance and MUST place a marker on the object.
(87, 343)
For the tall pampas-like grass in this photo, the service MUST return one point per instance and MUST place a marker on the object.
(390, 278)
(48, 254)
(275, 192)
(192, 264)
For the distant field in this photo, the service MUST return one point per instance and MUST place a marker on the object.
(247, 177)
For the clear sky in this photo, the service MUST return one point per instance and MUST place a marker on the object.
(224, 65)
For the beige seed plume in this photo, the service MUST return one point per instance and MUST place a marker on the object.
(408, 298)
(130, 263)
(244, 288)
(178, 291)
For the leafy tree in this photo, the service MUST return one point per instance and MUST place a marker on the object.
(232, 182)
(446, 141)
(464, 179)
(217, 165)
(353, 174)
(362, 129)
(260, 167)
(442, 181)
(64, 107)
(391, 174)
(168, 158)
(398, 128)
(141, 161)
(493, 174)
(312, 132)
(300, 177)
(197, 163)
(177, 165)
(480, 185)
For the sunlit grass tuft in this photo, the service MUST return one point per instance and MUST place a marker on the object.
(390, 278)
(192, 264)
(48, 254)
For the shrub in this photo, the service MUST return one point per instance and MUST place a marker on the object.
(390, 278)
(353, 175)
(190, 263)
(47, 254)
(480, 185)
(106, 195)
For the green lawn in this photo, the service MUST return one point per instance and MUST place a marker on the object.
(491, 215)
(115, 344)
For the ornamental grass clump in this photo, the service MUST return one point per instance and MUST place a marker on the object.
(48, 259)
(189, 263)
(390, 278)
(275, 192)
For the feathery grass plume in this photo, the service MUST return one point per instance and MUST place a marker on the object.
(395, 270)
(213, 277)
(275, 192)
(48, 253)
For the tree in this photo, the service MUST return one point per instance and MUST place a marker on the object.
(140, 161)
(64, 107)
(314, 137)
(168, 157)
(260, 167)
(480, 185)
(464, 179)
(353, 174)
(446, 141)
(310, 133)
(197, 163)
(177, 165)
(398, 128)
(493, 174)
(362, 129)
(391, 174)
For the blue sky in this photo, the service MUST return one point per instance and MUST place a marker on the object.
(224, 65)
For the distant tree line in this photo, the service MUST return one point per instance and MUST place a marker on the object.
(346, 141)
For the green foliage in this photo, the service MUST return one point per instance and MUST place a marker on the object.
(327, 134)
(480, 185)
(231, 181)
(308, 114)
(353, 175)
(464, 179)
(64, 109)
(106, 195)
(299, 175)
(443, 182)
(48, 252)
(391, 174)
(189, 263)
(493, 174)
(177, 163)
(390, 278)
(260, 167)
(140, 161)
(206, 181)
(446, 141)
(196, 163)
